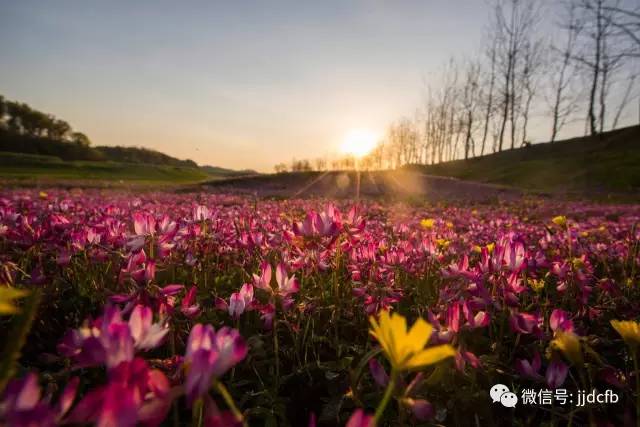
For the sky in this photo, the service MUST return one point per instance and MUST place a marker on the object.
(239, 84)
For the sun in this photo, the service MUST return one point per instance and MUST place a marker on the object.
(359, 142)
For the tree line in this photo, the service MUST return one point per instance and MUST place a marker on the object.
(585, 74)
(19, 118)
(26, 130)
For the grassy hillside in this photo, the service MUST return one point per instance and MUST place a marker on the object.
(34, 157)
(606, 163)
(29, 167)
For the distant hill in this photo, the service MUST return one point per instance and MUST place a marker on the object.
(609, 162)
(40, 142)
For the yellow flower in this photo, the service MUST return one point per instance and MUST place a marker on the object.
(628, 330)
(43, 195)
(569, 344)
(449, 224)
(560, 221)
(443, 243)
(427, 223)
(536, 285)
(491, 247)
(406, 350)
(7, 297)
(477, 249)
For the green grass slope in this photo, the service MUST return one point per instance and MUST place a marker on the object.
(606, 163)
(29, 167)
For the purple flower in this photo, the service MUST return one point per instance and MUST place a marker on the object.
(530, 369)
(21, 404)
(378, 373)
(556, 373)
(420, 408)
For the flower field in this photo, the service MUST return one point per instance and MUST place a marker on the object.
(122, 309)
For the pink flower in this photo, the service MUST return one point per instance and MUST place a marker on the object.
(133, 395)
(189, 305)
(263, 281)
(145, 333)
(110, 340)
(144, 224)
(286, 285)
(210, 354)
(239, 302)
(526, 323)
(560, 321)
(360, 419)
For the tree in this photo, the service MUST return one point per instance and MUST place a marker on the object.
(80, 139)
(531, 65)
(488, 94)
(58, 129)
(565, 97)
(281, 168)
(321, 164)
(514, 27)
(600, 55)
(469, 101)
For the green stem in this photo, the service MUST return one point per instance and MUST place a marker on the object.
(197, 413)
(385, 399)
(220, 388)
(276, 349)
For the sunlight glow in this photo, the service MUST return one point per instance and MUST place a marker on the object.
(359, 142)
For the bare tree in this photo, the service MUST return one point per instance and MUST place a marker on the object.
(600, 55)
(469, 100)
(564, 102)
(514, 24)
(532, 64)
(488, 95)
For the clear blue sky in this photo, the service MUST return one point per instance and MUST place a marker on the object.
(242, 84)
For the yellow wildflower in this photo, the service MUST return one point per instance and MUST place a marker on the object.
(536, 284)
(406, 350)
(7, 297)
(628, 330)
(560, 221)
(491, 247)
(427, 223)
(443, 243)
(569, 344)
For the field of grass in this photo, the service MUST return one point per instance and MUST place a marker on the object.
(28, 167)
(609, 163)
